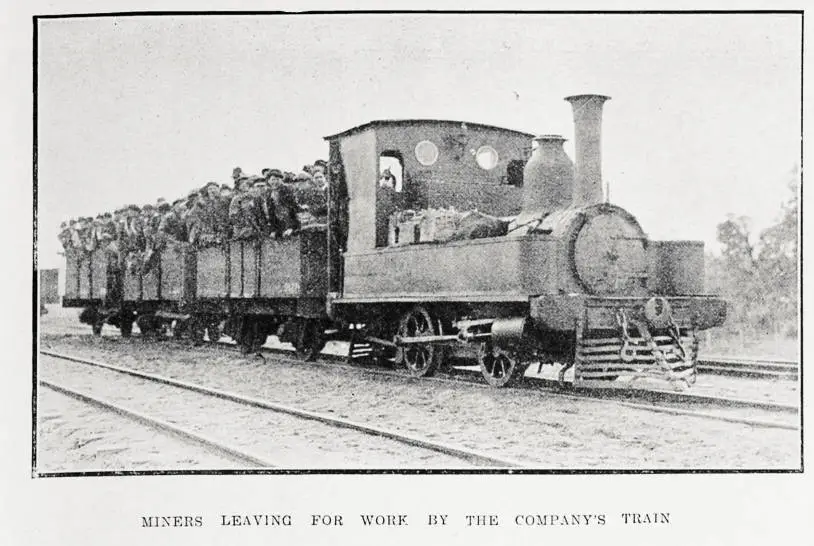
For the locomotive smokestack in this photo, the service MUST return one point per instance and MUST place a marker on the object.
(588, 143)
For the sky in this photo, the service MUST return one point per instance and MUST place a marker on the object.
(704, 119)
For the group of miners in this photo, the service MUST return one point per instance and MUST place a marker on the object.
(273, 204)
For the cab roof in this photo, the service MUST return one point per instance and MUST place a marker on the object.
(403, 122)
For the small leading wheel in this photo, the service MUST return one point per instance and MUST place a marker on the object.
(499, 367)
(420, 359)
(252, 337)
(196, 331)
(126, 327)
(310, 341)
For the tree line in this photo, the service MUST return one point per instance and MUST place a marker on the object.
(758, 272)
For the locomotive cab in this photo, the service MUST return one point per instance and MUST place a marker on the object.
(436, 165)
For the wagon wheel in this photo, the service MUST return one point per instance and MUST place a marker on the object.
(180, 329)
(419, 359)
(310, 341)
(196, 331)
(126, 327)
(214, 331)
(251, 337)
(96, 327)
(499, 367)
(147, 327)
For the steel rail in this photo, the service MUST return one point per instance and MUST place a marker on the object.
(209, 444)
(472, 456)
(546, 385)
(609, 395)
(750, 360)
(749, 367)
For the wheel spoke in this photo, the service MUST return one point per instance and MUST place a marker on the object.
(498, 367)
(419, 359)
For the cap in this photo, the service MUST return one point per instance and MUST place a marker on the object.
(275, 172)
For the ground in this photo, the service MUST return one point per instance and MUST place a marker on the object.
(548, 432)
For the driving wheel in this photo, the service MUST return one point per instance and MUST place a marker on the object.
(420, 359)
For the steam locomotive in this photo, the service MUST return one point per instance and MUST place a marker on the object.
(573, 280)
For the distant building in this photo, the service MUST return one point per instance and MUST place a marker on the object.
(49, 285)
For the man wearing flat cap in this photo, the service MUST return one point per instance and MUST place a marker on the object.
(241, 210)
(208, 205)
(320, 165)
(282, 203)
(311, 198)
(152, 240)
(264, 221)
(173, 225)
(192, 216)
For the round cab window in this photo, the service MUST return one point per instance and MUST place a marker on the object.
(487, 158)
(426, 153)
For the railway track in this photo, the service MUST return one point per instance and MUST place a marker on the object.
(753, 413)
(748, 367)
(211, 445)
(382, 442)
(661, 401)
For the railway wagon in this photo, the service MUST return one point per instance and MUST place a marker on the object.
(251, 288)
(267, 286)
(93, 283)
(157, 295)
